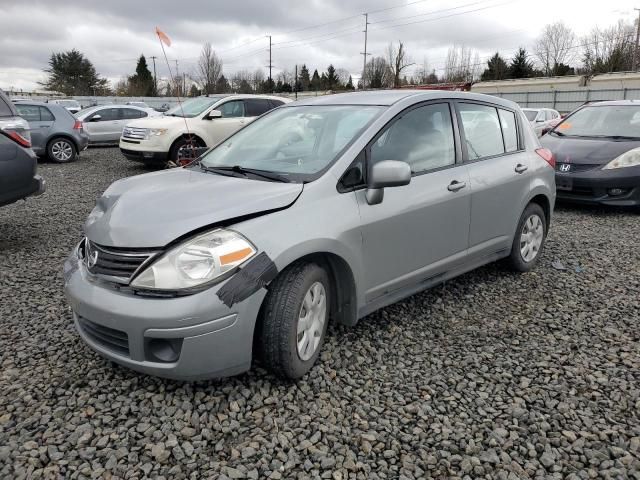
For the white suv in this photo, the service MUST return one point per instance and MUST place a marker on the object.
(208, 120)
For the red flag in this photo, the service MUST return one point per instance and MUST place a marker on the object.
(164, 38)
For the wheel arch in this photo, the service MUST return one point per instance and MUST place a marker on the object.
(544, 202)
(61, 135)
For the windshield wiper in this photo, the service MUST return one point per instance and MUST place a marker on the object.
(616, 137)
(244, 171)
(560, 134)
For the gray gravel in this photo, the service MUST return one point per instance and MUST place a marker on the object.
(493, 375)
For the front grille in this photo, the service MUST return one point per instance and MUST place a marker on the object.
(574, 167)
(115, 262)
(109, 338)
(134, 133)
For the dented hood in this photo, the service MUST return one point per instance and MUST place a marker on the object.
(154, 209)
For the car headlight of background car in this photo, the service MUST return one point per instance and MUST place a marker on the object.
(155, 132)
(198, 261)
(627, 159)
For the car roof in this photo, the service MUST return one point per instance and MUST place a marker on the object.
(36, 103)
(607, 103)
(389, 97)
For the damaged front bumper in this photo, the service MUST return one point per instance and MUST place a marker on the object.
(184, 338)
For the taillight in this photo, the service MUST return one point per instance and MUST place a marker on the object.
(77, 125)
(547, 156)
(21, 140)
(17, 129)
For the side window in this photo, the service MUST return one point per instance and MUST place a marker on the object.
(276, 103)
(422, 137)
(46, 115)
(482, 134)
(256, 106)
(232, 109)
(509, 130)
(129, 113)
(31, 113)
(107, 114)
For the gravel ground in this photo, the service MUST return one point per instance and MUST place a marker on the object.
(493, 375)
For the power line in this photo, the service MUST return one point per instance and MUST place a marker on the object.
(315, 36)
(429, 13)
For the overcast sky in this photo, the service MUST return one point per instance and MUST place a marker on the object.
(113, 33)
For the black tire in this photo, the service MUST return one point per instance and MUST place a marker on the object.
(516, 260)
(174, 153)
(277, 339)
(61, 150)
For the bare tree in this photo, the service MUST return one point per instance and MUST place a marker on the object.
(241, 81)
(257, 79)
(609, 49)
(343, 75)
(398, 61)
(555, 47)
(209, 68)
(378, 74)
(459, 66)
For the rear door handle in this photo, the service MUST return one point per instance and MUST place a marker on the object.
(521, 168)
(456, 185)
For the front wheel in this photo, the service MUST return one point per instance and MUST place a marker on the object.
(61, 150)
(528, 242)
(294, 320)
(183, 151)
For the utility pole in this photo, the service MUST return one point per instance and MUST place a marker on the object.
(635, 49)
(364, 54)
(155, 79)
(270, 65)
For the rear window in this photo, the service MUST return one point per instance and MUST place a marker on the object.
(5, 109)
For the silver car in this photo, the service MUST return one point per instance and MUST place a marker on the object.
(320, 211)
(542, 119)
(104, 124)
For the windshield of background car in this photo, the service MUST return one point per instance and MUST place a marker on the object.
(192, 107)
(296, 142)
(530, 114)
(604, 121)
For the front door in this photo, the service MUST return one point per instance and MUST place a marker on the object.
(500, 175)
(419, 230)
(232, 119)
(102, 124)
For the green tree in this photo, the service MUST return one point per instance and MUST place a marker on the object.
(332, 82)
(349, 85)
(560, 69)
(73, 74)
(194, 92)
(315, 81)
(497, 69)
(520, 66)
(142, 82)
(222, 85)
(304, 79)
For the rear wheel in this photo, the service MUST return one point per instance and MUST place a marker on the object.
(183, 150)
(528, 242)
(61, 150)
(294, 320)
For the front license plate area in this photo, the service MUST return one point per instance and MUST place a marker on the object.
(564, 183)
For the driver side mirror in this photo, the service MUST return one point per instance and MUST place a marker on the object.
(214, 114)
(96, 118)
(387, 173)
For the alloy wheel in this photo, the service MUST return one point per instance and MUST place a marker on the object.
(62, 151)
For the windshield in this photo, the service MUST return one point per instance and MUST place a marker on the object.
(603, 121)
(68, 103)
(530, 114)
(192, 107)
(296, 142)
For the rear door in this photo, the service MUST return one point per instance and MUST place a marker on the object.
(499, 169)
(421, 229)
(254, 107)
(40, 121)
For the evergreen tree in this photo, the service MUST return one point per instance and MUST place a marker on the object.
(304, 79)
(142, 82)
(222, 85)
(323, 81)
(521, 67)
(497, 69)
(194, 92)
(315, 81)
(560, 69)
(73, 74)
(349, 85)
(332, 80)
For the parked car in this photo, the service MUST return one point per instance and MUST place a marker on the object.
(55, 132)
(104, 124)
(324, 209)
(71, 105)
(18, 163)
(139, 104)
(198, 122)
(542, 119)
(597, 148)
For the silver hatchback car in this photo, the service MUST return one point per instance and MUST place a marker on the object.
(321, 210)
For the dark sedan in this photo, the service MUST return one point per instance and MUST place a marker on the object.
(597, 152)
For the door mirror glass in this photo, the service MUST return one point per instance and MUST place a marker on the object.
(214, 114)
(386, 173)
(96, 118)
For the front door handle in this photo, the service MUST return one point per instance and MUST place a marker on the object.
(456, 185)
(521, 168)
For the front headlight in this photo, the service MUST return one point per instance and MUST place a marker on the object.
(627, 159)
(156, 132)
(196, 262)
